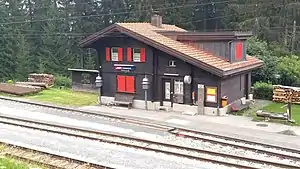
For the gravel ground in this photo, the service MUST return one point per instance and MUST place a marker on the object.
(105, 124)
(259, 147)
(186, 142)
(73, 118)
(97, 151)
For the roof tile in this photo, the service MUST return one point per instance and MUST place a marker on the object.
(150, 32)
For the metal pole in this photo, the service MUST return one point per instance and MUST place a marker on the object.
(146, 98)
(99, 95)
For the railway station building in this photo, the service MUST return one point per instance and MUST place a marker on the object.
(187, 70)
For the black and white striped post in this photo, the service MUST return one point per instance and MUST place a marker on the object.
(146, 84)
(99, 84)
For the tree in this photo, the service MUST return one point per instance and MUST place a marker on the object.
(289, 68)
(260, 49)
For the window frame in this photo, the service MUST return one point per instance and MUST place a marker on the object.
(114, 56)
(173, 63)
(180, 87)
(136, 55)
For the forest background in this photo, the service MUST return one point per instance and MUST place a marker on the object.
(42, 35)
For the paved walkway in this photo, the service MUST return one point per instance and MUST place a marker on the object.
(235, 126)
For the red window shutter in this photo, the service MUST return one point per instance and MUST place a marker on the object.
(120, 54)
(143, 54)
(121, 81)
(107, 55)
(239, 51)
(129, 54)
(130, 81)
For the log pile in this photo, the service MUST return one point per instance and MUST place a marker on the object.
(284, 94)
(47, 79)
(18, 89)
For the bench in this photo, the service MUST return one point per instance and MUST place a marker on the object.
(124, 99)
(238, 106)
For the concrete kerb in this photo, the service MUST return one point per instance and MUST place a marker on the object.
(138, 120)
(125, 118)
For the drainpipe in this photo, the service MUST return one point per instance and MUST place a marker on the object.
(229, 52)
(219, 97)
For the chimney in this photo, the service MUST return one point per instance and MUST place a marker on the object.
(156, 20)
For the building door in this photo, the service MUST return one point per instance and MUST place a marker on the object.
(172, 92)
(167, 92)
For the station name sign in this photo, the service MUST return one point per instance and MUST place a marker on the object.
(124, 67)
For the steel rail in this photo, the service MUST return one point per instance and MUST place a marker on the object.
(179, 130)
(42, 162)
(149, 143)
(169, 128)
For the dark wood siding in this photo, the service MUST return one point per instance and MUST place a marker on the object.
(182, 68)
(109, 73)
(234, 87)
(208, 80)
(219, 48)
(84, 81)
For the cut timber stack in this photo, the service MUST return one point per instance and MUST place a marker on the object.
(47, 79)
(283, 94)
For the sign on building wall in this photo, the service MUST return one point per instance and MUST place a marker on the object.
(211, 94)
(124, 67)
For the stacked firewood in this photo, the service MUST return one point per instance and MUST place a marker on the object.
(47, 79)
(285, 94)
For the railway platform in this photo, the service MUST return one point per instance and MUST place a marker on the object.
(234, 126)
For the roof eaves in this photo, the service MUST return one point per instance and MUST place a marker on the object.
(243, 69)
(163, 47)
(94, 37)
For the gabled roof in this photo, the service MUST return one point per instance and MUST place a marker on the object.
(150, 35)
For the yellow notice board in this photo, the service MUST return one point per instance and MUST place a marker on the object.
(211, 91)
(211, 94)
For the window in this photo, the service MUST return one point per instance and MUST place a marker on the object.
(239, 51)
(178, 87)
(136, 55)
(125, 84)
(172, 63)
(114, 54)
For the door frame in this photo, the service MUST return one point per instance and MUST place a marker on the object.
(163, 99)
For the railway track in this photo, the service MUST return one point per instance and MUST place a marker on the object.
(225, 159)
(45, 160)
(238, 143)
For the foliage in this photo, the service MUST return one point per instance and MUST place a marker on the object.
(10, 81)
(260, 49)
(263, 90)
(42, 35)
(65, 97)
(63, 81)
(289, 70)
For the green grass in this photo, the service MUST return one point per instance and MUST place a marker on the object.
(272, 107)
(278, 108)
(65, 97)
(9, 163)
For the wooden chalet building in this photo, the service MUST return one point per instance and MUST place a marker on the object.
(185, 69)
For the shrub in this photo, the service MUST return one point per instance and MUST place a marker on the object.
(63, 81)
(263, 90)
(10, 82)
